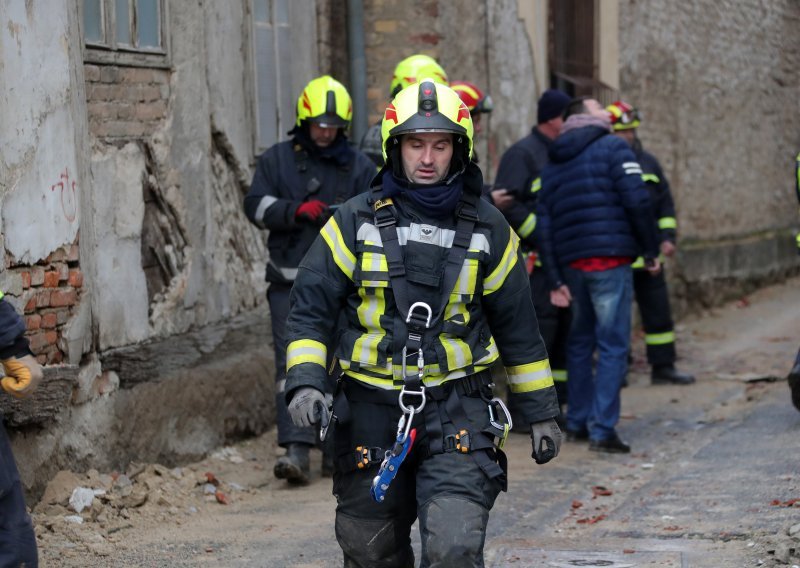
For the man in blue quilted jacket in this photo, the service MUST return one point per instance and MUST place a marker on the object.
(594, 220)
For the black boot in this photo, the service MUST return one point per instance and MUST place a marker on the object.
(794, 384)
(669, 375)
(294, 465)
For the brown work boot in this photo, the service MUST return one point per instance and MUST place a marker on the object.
(294, 466)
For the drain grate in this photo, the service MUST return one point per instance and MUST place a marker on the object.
(585, 559)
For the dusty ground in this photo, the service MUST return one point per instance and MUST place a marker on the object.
(713, 479)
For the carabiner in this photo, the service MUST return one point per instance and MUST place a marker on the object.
(410, 409)
(493, 419)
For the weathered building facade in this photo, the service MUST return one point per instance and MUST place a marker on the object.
(130, 136)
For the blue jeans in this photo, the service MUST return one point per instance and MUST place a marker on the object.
(601, 318)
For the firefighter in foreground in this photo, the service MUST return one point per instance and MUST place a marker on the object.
(295, 184)
(407, 72)
(435, 292)
(794, 374)
(22, 374)
(650, 290)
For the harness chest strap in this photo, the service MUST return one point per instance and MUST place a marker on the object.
(385, 216)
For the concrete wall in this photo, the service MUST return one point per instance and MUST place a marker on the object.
(718, 85)
(159, 309)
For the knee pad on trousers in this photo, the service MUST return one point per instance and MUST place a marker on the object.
(374, 543)
(453, 533)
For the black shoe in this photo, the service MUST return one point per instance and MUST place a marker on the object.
(669, 375)
(576, 435)
(294, 466)
(612, 445)
(794, 384)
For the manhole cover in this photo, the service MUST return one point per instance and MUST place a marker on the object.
(585, 559)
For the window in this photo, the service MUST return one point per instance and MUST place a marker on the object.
(124, 31)
(274, 98)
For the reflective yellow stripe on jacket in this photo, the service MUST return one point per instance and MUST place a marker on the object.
(306, 351)
(530, 377)
(667, 223)
(528, 225)
(494, 281)
(342, 256)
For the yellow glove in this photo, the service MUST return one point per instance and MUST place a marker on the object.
(22, 375)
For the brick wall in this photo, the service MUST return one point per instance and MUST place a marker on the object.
(48, 292)
(125, 102)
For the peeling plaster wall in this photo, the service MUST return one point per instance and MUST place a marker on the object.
(39, 172)
(121, 290)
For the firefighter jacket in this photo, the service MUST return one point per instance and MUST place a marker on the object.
(660, 194)
(287, 175)
(488, 314)
(593, 202)
(518, 173)
(12, 341)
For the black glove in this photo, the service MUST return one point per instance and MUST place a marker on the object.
(546, 440)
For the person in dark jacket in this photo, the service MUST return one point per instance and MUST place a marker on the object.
(296, 185)
(22, 375)
(594, 216)
(434, 293)
(518, 176)
(651, 291)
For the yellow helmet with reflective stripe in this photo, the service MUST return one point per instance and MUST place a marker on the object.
(415, 68)
(427, 107)
(326, 102)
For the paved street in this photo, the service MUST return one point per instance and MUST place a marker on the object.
(710, 481)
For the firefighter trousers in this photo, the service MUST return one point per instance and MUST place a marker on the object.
(652, 297)
(554, 326)
(17, 539)
(445, 487)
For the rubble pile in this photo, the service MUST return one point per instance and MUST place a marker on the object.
(91, 511)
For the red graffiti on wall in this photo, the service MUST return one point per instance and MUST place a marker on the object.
(67, 188)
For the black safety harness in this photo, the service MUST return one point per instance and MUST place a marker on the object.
(415, 320)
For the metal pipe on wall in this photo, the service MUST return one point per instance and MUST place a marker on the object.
(358, 68)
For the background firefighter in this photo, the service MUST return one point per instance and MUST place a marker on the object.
(650, 290)
(294, 185)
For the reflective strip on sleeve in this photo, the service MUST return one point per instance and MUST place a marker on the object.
(667, 223)
(530, 377)
(632, 168)
(660, 338)
(536, 185)
(342, 256)
(494, 281)
(527, 226)
(266, 202)
(650, 178)
(306, 351)
(560, 375)
(797, 238)
(1, 294)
